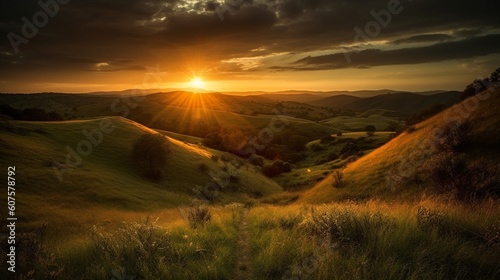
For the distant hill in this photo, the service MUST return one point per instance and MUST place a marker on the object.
(393, 169)
(338, 101)
(405, 103)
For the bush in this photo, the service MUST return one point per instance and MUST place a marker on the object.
(271, 170)
(256, 160)
(315, 147)
(294, 157)
(151, 151)
(453, 173)
(327, 139)
(454, 137)
(332, 156)
(202, 167)
(339, 133)
(287, 167)
(337, 179)
(198, 216)
(349, 149)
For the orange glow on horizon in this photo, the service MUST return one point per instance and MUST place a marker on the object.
(197, 82)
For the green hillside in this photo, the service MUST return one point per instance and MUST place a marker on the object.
(107, 179)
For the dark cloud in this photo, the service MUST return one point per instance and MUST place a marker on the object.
(87, 32)
(424, 38)
(474, 47)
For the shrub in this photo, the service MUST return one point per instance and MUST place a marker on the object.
(337, 179)
(202, 167)
(349, 149)
(256, 160)
(339, 133)
(453, 137)
(327, 139)
(271, 170)
(198, 216)
(453, 173)
(315, 147)
(287, 167)
(294, 157)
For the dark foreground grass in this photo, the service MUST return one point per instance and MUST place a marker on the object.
(139, 250)
(372, 240)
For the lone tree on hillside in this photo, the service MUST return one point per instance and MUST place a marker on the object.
(151, 151)
(370, 130)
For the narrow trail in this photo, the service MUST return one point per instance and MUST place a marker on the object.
(243, 263)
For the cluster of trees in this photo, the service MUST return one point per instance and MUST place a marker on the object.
(276, 168)
(29, 114)
(480, 85)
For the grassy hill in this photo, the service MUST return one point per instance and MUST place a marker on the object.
(107, 179)
(394, 170)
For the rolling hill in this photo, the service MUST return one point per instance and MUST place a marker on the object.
(393, 170)
(54, 186)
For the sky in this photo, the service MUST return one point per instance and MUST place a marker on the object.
(246, 45)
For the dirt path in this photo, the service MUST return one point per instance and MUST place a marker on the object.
(243, 268)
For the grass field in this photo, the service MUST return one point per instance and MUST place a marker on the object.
(359, 123)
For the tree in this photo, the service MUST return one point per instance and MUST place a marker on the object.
(349, 149)
(297, 143)
(370, 130)
(151, 151)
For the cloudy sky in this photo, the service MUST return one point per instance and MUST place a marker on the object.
(245, 45)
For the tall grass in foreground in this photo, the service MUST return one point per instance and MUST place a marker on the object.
(146, 250)
(376, 241)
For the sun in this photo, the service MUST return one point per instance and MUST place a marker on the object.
(197, 82)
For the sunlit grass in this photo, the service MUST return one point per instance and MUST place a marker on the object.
(375, 240)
